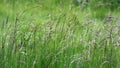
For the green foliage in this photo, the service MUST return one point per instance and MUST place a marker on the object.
(56, 34)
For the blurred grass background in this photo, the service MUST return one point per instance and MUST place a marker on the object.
(59, 34)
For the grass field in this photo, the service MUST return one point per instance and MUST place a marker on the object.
(58, 34)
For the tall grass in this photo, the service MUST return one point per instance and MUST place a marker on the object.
(44, 36)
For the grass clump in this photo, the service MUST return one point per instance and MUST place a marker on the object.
(45, 35)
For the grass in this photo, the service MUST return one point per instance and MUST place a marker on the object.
(45, 35)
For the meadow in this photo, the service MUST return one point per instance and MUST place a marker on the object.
(59, 34)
